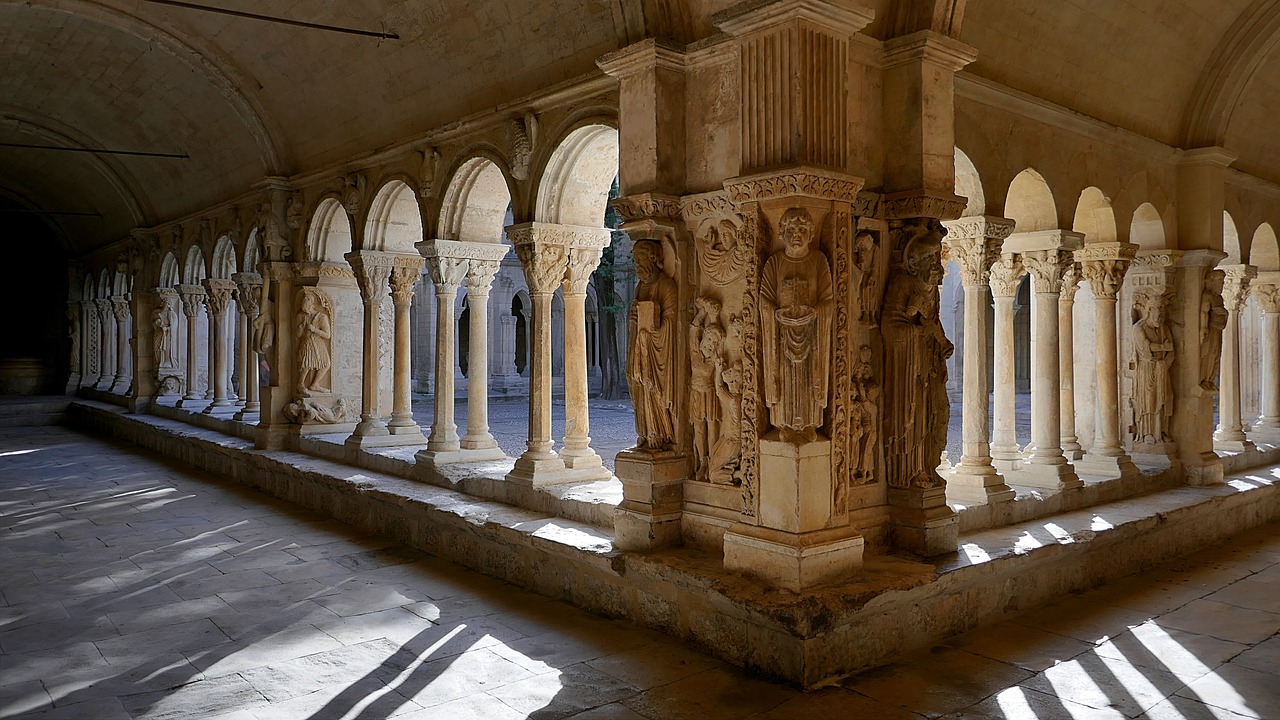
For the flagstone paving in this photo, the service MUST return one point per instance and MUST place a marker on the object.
(132, 587)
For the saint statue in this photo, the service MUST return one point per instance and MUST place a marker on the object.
(315, 330)
(864, 418)
(796, 312)
(162, 336)
(1213, 314)
(915, 367)
(1153, 359)
(705, 343)
(650, 365)
(73, 336)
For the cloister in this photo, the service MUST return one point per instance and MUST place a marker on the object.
(832, 251)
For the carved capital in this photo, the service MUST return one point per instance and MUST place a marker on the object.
(544, 265)
(403, 279)
(795, 182)
(1158, 260)
(1048, 269)
(1235, 285)
(248, 293)
(218, 294)
(975, 254)
(1268, 296)
(373, 271)
(120, 308)
(582, 262)
(923, 203)
(480, 275)
(192, 299)
(1104, 276)
(447, 273)
(1006, 274)
(1070, 282)
(647, 206)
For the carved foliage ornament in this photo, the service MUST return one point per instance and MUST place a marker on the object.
(1105, 276)
(1048, 269)
(798, 183)
(1006, 275)
(544, 265)
(1268, 296)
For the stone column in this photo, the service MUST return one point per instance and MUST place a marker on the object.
(218, 301)
(1230, 435)
(192, 300)
(242, 349)
(1046, 466)
(447, 267)
(106, 373)
(404, 276)
(479, 281)
(507, 345)
(975, 244)
(75, 336)
(120, 310)
(578, 456)
(1006, 275)
(373, 272)
(1104, 266)
(249, 297)
(1071, 447)
(1266, 290)
(544, 256)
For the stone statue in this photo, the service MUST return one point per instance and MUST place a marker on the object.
(916, 351)
(309, 412)
(315, 332)
(1213, 319)
(1153, 360)
(162, 336)
(705, 342)
(727, 449)
(73, 336)
(864, 419)
(796, 311)
(650, 365)
(868, 287)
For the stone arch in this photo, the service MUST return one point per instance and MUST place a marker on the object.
(120, 283)
(1095, 217)
(969, 185)
(394, 221)
(1230, 240)
(169, 275)
(224, 259)
(1264, 252)
(104, 284)
(329, 237)
(1147, 228)
(89, 292)
(475, 202)
(1030, 203)
(252, 253)
(193, 270)
(574, 186)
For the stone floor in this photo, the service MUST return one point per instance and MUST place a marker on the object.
(132, 587)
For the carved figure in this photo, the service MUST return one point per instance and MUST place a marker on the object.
(720, 256)
(315, 331)
(170, 385)
(73, 336)
(916, 350)
(1153, 360)
(796, 310)
(868, 287)
(309, 412)
(1213, 314)
(705, 342)
(162, 336)
(650, 368)
(864, 419)
(727, 449)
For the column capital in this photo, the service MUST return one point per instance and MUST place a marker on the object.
(192, 298)
(583, 261)
(480, 275)
(975, 243)
(1105, 275)
(544, 254)
(248, 292)
(1048, 268)
(1235, 285)
(404, 276)
(120, 307)
(1006, 273)
(1071, 282)
(218, 294)
(373, 270)
(1026, 242)
(1267, 292)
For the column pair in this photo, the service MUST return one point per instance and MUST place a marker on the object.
(192, 297)
(377, 273)
(975, 244)
(106, 359)
(1048, 257)
(218, 293)
(453, 264)
(552, 255)
(1103, 266)
(1266, 292)
(120, 311)
(249, 302)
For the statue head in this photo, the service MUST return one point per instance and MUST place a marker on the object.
(922, 257)
(796, 230)
(707, 306)
(711, 340)
(648, 258)
(1213, 281)
(1151, 307)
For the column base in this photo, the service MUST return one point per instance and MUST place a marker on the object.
(1006, 460)
(218, 406)
(119, 386)
(795, 561)
(478, 442)
(1044, 476)
(457, 456)
(1158, 454)
(391, 440)
(537, 469)
(1110, 467)
(923, 523)
(795, 493)
(977, 485)
(649, 516)
(1233, 443)
(73, 384)
(245, 412)
(1072, 450)
(584, 464)
(191, 404)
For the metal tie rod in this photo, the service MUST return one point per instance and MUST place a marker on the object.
(280, 20)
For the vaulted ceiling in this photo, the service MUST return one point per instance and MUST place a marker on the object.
(245, 98)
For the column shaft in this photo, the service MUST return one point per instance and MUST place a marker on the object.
(1270, 418)
(444, 431)
(540, 443)
(1070, 442)
(1107, 440)
(478, 363)
(1230, 425)
(976, 427)
(242, 358)
(1045, 378)
(577, 422)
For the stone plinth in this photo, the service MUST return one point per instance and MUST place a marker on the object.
(652, 488)
(795, 561)
(923, 523)
(795, 485)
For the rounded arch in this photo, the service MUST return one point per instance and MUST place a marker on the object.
(1094, 217)
(1030, 203)
(329, 237)
(1230, 240)
(252, 253)
(120, 283)
(969, 185)
(88, 292)
(104, 284)
(169, 276)
(574, 186)
(224, 258)
(394, 221)
(1147, 228)
(1264, 253)
(475, 202)
(193, 270)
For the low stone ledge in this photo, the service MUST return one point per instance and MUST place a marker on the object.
(893, 606)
